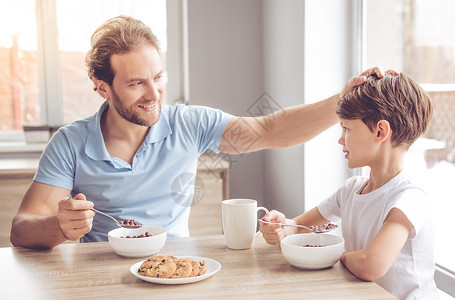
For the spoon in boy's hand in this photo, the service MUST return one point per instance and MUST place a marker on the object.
(315, 229)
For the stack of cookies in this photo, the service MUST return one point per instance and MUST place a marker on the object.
(172, 267)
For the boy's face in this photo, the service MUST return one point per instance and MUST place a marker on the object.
(359, 143)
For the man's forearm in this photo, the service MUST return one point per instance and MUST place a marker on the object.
(299, 124)
(33, 231)
(288, 127)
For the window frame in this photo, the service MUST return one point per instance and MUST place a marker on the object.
(50, 85)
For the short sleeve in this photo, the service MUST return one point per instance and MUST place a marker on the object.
(203, 125)
(414, 204)
(331, 208)
(55, 166)
(212, 124)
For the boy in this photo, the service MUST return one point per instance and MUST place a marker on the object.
(387, 231)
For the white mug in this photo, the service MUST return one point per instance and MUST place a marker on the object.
(240, 222)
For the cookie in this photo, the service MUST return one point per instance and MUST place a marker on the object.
(202, 267)
(144, 266)
(195, 266)
(183, 268)
(172, 267)
(158, 266)
(148, 264)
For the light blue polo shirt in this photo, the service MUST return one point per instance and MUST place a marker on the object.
(156, 189)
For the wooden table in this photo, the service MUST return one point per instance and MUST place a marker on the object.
(94, 271)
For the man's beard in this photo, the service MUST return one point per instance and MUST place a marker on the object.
(133, 116)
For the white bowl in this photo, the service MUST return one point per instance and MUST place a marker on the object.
(294, 250)
(137, 247)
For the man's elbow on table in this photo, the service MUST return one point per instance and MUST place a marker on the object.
(13, 239)
(27, 231)
(15, 236)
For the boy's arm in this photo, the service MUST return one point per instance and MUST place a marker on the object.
(374, 261)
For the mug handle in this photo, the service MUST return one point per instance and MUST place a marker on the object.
(259, 209)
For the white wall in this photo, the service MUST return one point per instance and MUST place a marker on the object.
(328, 61)
(284, 80)
(225, 65)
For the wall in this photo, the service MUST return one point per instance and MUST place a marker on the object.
(225, 66)
(329, 50)
(284, 81)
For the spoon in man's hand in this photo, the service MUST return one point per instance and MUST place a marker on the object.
(124, 224)
(131, 224)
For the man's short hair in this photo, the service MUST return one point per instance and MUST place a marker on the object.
(118, 35)
(397, 99)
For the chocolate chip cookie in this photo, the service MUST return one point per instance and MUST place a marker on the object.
(202, 267)
(158, 266)
(195, 267)
(172, 267)
(183, 268)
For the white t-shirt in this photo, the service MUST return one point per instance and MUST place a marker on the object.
(411, 275)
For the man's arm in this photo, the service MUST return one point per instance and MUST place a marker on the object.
(287, 127)
(47, 217)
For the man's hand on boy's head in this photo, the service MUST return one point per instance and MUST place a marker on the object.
(358, 80)
(376, 70)
(379, 72)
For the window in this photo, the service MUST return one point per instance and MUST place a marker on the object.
(417, 38)
(19, 102)
(42, 51)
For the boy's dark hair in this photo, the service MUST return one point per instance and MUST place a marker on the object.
(397, 99)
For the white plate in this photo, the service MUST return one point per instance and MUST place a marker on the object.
(212, 267)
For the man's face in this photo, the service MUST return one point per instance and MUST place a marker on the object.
(137, 88)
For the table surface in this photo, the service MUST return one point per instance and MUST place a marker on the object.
(89, 271)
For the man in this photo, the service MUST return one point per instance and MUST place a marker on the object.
(124, 159)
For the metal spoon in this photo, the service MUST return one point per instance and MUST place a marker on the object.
(138, 225)
(334, 226)
(117, 222)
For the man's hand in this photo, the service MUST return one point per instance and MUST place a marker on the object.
(379, 72)
(358, 80)
(75, 216)
(287, 127)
